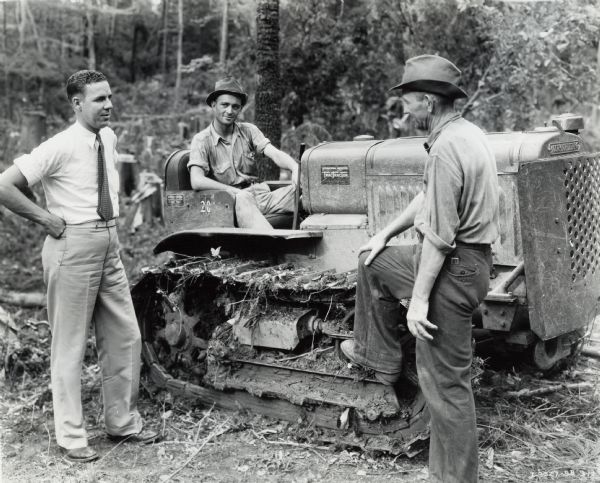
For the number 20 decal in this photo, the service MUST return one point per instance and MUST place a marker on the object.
(204, 206)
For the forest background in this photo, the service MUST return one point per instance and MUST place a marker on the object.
(320, 69)
(315, 70)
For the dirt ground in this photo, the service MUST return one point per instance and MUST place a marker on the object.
(551, 437)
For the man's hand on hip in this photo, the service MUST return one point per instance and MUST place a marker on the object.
(55, 226)
(417, 319)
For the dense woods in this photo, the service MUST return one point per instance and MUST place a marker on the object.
(325, 64)
(314, 70)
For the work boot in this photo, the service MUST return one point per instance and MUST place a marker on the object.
(145, 436)
(388, 379)
(81, 455)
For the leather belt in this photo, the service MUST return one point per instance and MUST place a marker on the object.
(482, 247)
(95, 224)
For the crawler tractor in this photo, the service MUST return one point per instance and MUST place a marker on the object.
(253, 320)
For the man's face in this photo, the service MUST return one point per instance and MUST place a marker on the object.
(226, 109)
(415, 106)
(94, 106)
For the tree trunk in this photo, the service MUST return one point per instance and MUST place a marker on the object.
(223, 46)
(36, 37)
(268, 91)
(133, 54)
(5, 66)
(90, 37)
(33, 130)
(110, 28)
(179, 51)
(595, 109)
(22, 19)
(165, 33)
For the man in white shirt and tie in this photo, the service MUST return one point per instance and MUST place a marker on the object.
(85, 279)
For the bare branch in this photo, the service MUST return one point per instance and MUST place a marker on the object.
(480, 85)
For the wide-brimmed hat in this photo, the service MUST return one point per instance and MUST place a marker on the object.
(227, 85)
(431, 73)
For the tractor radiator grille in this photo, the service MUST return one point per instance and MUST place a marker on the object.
(582, 188)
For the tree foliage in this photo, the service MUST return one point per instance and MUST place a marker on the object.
(522, 61)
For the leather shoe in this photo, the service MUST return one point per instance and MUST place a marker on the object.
(347, 348)
(81, 455)
(145, 436)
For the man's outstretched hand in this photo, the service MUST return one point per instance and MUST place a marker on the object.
(417, 319)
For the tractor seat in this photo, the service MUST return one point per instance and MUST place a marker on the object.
(177, 178)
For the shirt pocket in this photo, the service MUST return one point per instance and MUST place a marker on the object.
(248, 163)
(223, 173)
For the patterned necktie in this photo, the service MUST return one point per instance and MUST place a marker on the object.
(105, 209)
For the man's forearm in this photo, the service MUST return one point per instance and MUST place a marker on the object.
(281, 159)
(13, 199)
(286, 161)
(430, 265)
(204, 183)
(403, 221)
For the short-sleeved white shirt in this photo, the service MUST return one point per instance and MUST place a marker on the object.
(67, 166)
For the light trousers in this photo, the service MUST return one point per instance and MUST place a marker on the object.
(258, 200)
(87, 285)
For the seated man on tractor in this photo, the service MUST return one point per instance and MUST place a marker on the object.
(222, 157)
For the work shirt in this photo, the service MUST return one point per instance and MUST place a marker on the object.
(67, 166)
(229, 162)
(460, 183)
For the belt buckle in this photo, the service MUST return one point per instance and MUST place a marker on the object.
(454, 261)
(102, 224)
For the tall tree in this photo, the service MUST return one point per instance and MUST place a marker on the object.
(224, 23)
(165, 33)
(268, 92)
(89, 16)
(7, 95)
(179, 51)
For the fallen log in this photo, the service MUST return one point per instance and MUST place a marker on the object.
(549, 389)
(23, 299)
(589, 352)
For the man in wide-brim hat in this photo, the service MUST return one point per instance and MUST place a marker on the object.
(456, 218)
(222, 157)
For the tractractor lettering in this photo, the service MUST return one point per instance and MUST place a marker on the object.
(335, 175)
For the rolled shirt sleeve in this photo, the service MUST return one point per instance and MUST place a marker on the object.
(199, 155)
(259, 141)
(438, 220)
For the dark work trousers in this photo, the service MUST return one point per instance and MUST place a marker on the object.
(444, 364)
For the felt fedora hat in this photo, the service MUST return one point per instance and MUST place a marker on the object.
(227, 85)
(431, 73)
